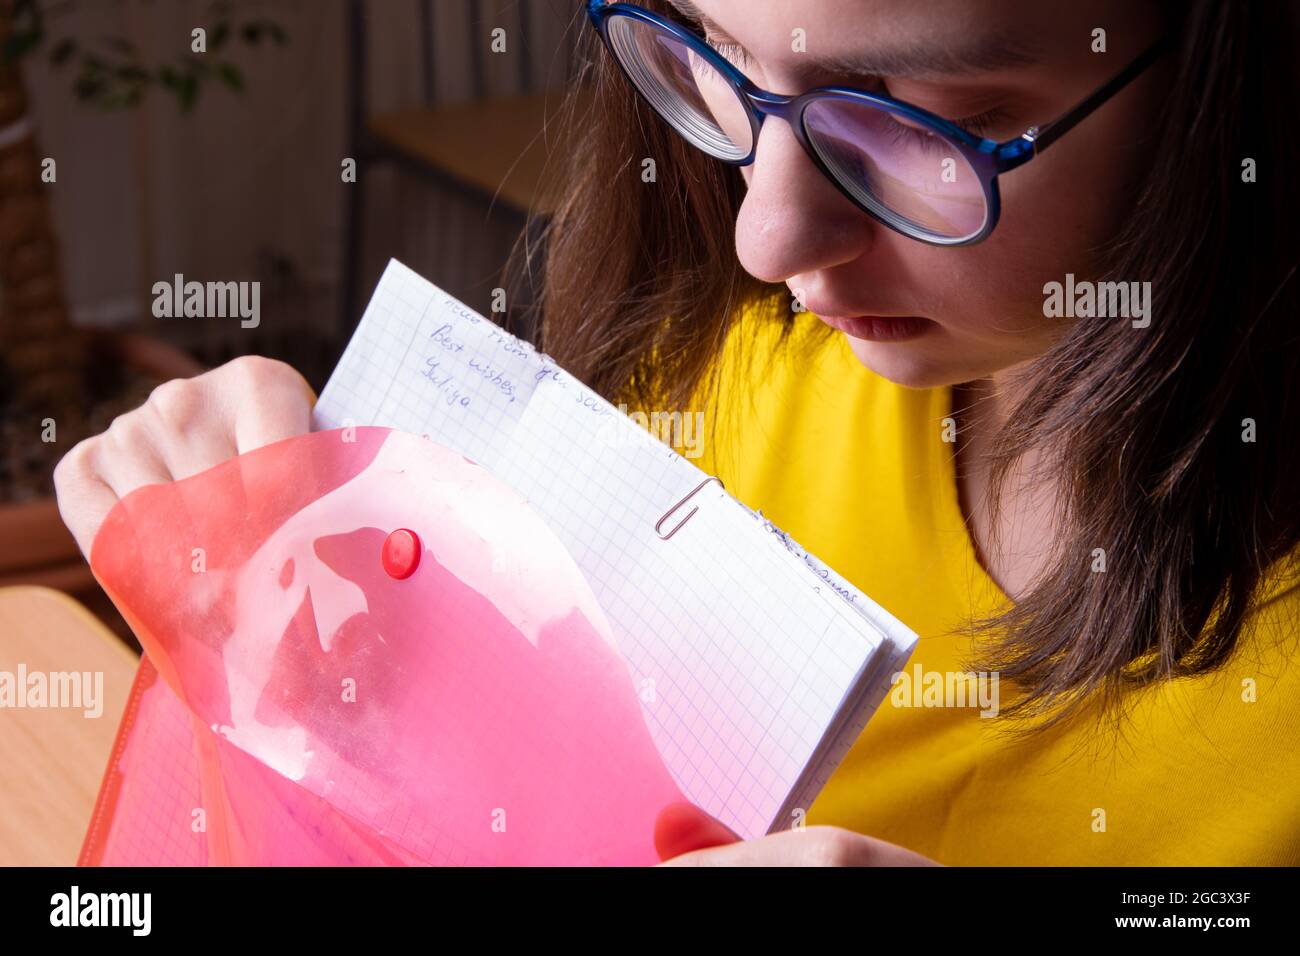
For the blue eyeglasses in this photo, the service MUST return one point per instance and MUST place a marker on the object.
(917, 173)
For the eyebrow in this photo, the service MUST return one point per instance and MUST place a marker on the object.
(976, 55)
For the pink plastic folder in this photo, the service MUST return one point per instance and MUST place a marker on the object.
(478, 616)
(307, 701)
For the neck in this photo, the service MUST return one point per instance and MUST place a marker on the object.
(985, 405)
(1013, 542)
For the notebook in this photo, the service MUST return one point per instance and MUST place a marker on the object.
(756, 665)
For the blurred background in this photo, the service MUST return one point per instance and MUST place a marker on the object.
(128, 157)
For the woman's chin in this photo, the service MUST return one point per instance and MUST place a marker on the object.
(912, 364)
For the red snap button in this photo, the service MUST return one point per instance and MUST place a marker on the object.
(401, 554)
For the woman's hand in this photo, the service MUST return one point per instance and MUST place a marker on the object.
(687, 836)
(186, 426)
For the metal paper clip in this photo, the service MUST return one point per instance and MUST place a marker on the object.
(669, 513)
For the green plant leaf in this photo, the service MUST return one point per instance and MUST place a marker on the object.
(113, 76)
(20, 44)
(188, 92)
(132, 73)
(231, 76)
(63, 51)
(88, 85)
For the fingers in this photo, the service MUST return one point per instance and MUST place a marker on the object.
(192, 426)
(84, 498)
(128, 456)
(275, 402)
(808, 846)
(187, 426)
(790, 848)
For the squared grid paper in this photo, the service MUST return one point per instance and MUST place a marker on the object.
(157, 769)
(764, 664)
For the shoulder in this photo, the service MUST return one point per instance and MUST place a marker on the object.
(1271, 633)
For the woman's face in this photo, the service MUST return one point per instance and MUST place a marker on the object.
(1012, 64)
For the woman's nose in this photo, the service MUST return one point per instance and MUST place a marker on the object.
(793, 220)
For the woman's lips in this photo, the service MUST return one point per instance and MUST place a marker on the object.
(880, 328)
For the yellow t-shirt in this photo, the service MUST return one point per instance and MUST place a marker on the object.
(855, 468)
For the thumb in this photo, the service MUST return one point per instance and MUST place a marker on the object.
(683, 827)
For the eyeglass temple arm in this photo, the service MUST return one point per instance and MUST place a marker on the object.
(1044, 136)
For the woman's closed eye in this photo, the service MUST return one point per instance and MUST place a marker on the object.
(978, 124)
(733, 53)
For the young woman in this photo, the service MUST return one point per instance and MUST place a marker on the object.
(1002, 324)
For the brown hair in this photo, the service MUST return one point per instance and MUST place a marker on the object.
(640, 287)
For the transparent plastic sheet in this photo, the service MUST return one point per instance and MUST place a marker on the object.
(299, 704)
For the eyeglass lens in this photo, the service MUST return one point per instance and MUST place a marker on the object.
(902, 171)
